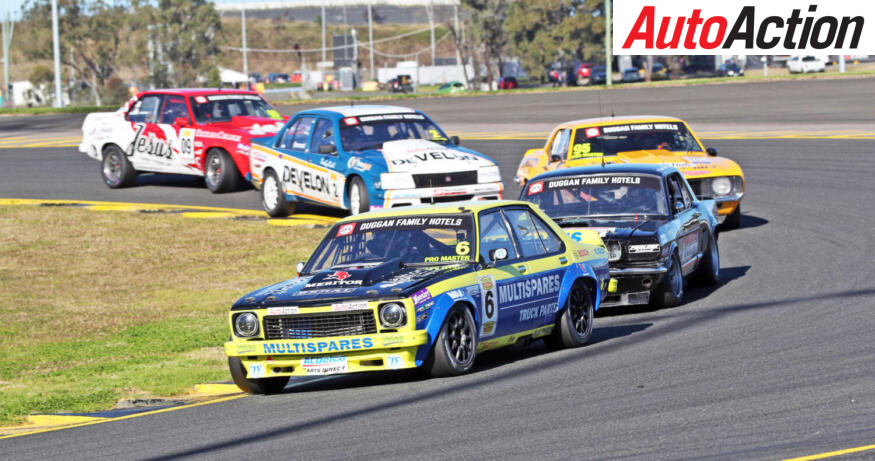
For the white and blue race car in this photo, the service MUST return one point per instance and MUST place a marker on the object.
(367, 157)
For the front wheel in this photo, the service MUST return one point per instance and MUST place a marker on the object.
(574, 326)
(255, 386)
(456, 346)
(220, 172)
(670, 291)
(273, 199)
(358, 197)
(116, 169)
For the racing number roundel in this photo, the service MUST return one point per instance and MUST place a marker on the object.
(488, 305)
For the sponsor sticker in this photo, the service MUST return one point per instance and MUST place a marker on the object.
(339, 275)
(488, 306)
(456, 294)
(285, 310)
(583, 252)
(350, 306)
(536, 188)
(325, 365)
(346, 229)
(256, 370)
(246, 348)
(394, 362)
(592, 132)
(394, 339)
(421, 296)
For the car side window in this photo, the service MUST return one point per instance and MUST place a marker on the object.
(676, 192)
(322, 135)
(301, 133)
(560, 143)
(494, 235)
(145, 110)
(174, 107)
(552, 242)
(526, 233)
(685, 190)
(288, 136)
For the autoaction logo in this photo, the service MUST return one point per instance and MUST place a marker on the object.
(733, 27)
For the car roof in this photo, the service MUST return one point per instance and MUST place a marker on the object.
(602, 121)
(659, 169)
(367, 109)
(443, 208)
(198, 91)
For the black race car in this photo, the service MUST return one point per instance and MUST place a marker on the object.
(656, 231)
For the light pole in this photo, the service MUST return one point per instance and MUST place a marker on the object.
(8, 28)
(323, 31)
(57, 51)
(609, 78)
(245, 60)
(371, 39)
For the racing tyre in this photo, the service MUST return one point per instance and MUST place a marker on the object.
(220, 172)
(115, 168)
(273, 200)
(456, 346)
(733, 221)
(358, 197)
(708, 272)
(574, 326)
(670, 291)
(255, 386)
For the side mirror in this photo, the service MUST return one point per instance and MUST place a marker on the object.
(678, 206)
(455, 140)
(497, 254)
(180, 121)
(711, 151)
(327, 148)
(299, 267)
(555, 158)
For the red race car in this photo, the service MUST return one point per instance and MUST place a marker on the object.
(200, 132)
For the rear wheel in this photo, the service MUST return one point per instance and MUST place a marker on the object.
(358, 197)
(708, 272)
(255, 386)
(456, 346)
(574, 327)
(670, 291)
(733, 221)
(273, 199)
(220, 172)
(116, 170)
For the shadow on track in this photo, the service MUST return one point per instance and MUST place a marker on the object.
(463, 383)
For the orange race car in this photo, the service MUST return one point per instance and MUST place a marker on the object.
(642, 139)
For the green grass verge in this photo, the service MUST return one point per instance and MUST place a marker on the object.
(56, 110)
(103, 306)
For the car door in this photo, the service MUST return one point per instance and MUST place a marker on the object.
(497, 319)
(687, 219)
(541, 266)
(175, 121)
(306, 174)
(144, 149)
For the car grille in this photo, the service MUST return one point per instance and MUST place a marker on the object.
(459, 178)
(322, 325)
(448, 198)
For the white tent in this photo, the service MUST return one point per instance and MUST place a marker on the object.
(232, 76)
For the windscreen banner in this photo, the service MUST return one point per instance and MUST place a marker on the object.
(747, 27)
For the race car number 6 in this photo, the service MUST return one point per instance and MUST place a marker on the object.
(463, 248)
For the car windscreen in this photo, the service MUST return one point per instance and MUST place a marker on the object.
(598, 195)
(221, 107)
(432, 239)
(609, 140)
(371, 131)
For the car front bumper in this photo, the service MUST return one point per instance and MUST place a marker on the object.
(409, 197)
(273, 358)
(634, 285)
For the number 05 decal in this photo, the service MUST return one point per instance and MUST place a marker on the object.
(488, 305)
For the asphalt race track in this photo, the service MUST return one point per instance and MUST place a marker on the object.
(777, 361)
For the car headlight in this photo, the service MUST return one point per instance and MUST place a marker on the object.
(246, 324)
(488, 174)
(397, 181)
(614, 251)
(392, 315)
(721, 186)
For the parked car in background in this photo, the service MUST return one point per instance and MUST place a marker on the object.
(642, 139)
(598, 75)
(255, 77)
(632, 75)
(296, 77)
(806, 64)
(275, 77)
(402, 83)
(730, 69)
(451, 87)
(656, 231)
(508, 83)
(200, 132)
(584, 73)
(367, 157)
